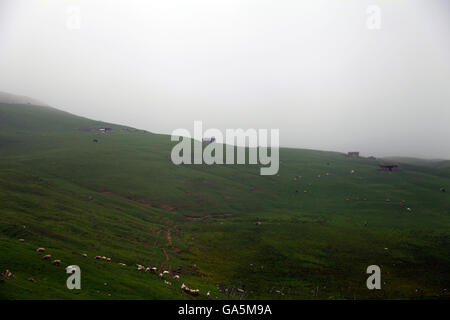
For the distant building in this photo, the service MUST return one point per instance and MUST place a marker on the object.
(353, 154)
(388, 167)
(104, 130)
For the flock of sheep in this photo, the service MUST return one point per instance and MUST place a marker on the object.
(184, 288)
(140, 268)
(48, 257)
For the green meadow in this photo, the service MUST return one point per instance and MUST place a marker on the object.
(308, 232)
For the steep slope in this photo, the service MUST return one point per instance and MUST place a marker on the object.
(8, 98)
(314, 225)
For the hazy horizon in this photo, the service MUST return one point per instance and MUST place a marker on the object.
(313, 70)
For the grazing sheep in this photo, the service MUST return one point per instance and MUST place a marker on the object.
(193, 292)
(47, 256)
(31, 279)
(208, 294)
(409, 209)
(147, 269)
(21, 240)
(177, 277)
(98, 258)
(167, 282)
(352, 171)
(8, 274)
(161, 275)
(108, 259)
(70, 269)
(154, 269)
(40, 250)
(56, 262)
(166, 272)
(84, 255)
(122, 264)
(140, 268)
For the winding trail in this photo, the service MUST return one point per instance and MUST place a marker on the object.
(165, 253)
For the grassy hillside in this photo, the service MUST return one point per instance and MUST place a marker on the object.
(309, 232)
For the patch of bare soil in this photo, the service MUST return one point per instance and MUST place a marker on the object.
(223, 214)
(166, 207)
(191, 218)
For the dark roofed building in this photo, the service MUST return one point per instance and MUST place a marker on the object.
(388, 167)
(353, 154)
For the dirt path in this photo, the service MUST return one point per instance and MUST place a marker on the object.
(169, 237)
(165, 253)
(206, 215)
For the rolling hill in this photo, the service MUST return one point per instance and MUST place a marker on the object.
(307, 233)
(433, 163)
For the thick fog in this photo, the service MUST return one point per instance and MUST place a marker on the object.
(348, 75)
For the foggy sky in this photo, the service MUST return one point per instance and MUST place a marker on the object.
(309, 68)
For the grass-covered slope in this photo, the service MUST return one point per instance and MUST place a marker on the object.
(308, 232)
